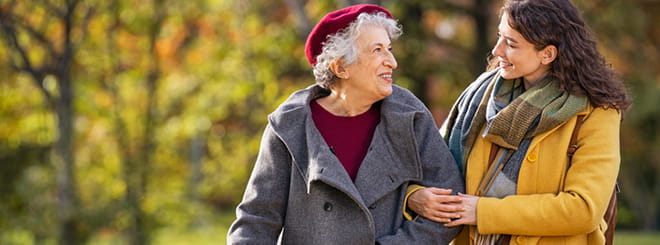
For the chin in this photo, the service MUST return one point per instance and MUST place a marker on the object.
(388, 90)
(507, 75)
(383, 94)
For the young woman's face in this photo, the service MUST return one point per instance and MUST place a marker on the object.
(371, 74)
(516, 56)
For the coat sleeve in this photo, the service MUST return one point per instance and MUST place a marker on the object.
(588, 184)
(260, 215)
(439, 169)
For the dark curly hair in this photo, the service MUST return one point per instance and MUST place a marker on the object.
(579, 67)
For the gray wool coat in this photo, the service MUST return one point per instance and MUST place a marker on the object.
(299, 192)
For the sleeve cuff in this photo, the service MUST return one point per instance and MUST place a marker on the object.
(407, 213)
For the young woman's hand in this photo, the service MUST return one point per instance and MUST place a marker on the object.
(469, 214)
(436, 204)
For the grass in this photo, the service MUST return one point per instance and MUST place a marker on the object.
(636, 237)
(214, 232)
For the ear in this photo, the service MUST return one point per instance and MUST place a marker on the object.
(337, 67)
(548, 54)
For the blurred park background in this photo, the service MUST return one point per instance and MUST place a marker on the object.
(138, 121)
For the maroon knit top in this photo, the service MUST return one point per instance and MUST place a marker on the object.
(348, 137)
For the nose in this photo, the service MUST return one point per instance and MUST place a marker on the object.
(390, 61)
(497, 50)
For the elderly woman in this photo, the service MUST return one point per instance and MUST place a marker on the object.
(337, 158)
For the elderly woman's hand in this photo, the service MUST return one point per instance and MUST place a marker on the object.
(469, 215)
(436, 204)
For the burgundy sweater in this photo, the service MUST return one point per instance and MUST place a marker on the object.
(348, 137)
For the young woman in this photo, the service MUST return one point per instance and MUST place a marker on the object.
(511, 128)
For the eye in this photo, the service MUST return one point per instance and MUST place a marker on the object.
(506, 41)
(376, 50)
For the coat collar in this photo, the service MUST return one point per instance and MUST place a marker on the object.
(585, 112)
(391, 159)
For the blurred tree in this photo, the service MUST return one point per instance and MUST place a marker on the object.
(138, 117)
(43, 46)
(135, 150)
(443, 48)
(261, 61)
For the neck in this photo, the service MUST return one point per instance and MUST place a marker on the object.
(538, 76)
(528, 84)
(343, 104)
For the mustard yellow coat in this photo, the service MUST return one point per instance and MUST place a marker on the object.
(553, 205)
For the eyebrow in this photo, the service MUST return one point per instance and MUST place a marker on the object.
(380, 44)
(507, 37)
(377, 44)
(511, 39)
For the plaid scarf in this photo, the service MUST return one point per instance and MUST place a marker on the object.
(534, 111)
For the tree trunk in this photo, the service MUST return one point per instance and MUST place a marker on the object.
(71, 230)
(197, 152)
(67, 201)
(139, 235)
(481, 15)
(303, 25)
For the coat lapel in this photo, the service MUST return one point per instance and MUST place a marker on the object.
(393, 155)
(324, 166)
(382, 171)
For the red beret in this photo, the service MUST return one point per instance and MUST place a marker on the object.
(333, 23)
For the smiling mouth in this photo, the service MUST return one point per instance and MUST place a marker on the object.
(387, 77)
(503, 64)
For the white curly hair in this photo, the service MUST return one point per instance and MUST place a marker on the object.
(341, 45)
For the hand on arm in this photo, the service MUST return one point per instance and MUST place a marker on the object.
(435, 204)
(468, 216)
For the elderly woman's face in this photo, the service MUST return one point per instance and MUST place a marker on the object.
(371, 74)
